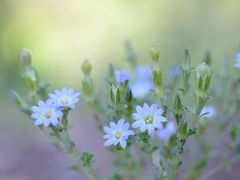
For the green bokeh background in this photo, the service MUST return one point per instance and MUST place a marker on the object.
(61, 34)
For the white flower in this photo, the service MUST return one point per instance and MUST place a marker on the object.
(237, 63)
(117, 133)
(122, 76)
(148, 118)
(209, 111)
(46, 114)
(65, 98)
(166, 133)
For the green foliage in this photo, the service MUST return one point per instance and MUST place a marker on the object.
(87, 159)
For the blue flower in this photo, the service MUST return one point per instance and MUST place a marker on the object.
(148, 118)
(175, 72)
(237, 63)
(142, 84)
(122, 76)
(46, 114)
(117, 133)
(166, 133)
(65, 98)
(209, 111)
(140, 89)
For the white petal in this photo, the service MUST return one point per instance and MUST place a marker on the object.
(70, 91)
(126, 126)
(38, 122)
(123, 144)
(150, 130)
(146, 107)
(157, 124)
(153, 108)
(120, 122)
(109, 142)
(54, 122)
(41, 104)
(76, 94)
(46, 123)
(143, 128)
(137, 124)
(108, 130)
(139, 109)
(113, 125)
(57, 92)
(35, 109)
(130, 132)
(35, 115)
(160, 118)
(107, 136)
(137, 116)
(64, 90)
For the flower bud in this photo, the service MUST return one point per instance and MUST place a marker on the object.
(86, 67)
(203, 70)
(128, 96)
(178, 104)
(186, 60)
(155, 53)
(158, 82)
(202, 78)
(25, 58)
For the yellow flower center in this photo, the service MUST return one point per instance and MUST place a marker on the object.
(148, 120)
(48, 114)
(118, 134)
(64, 101)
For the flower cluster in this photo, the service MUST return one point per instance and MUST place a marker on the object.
(147, 118)
(50, 113)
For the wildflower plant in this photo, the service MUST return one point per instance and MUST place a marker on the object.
(147, 118)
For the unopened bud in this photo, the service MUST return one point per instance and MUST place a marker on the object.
(203, 70)
(178, 104)
(86, 67)
(155, 53)
(25, 58)
(186, 60)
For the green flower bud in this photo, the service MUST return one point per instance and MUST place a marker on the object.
(203, 70)
(128, 97)
(86, 67)
(155, 53)
(178, 104)
(115, 94)
(25, 58)
(186, 60)
(202, 78)
(158, 82)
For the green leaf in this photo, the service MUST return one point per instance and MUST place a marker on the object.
(191, 132)
(87, 159)
(116, 177)
(234, 132)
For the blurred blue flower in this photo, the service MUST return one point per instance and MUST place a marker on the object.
(237, 63)
(209, 111)
(175, 72)
(65, 98)
(46, 114)
(117, 133)
(142, 84)
(166, 133)
(148, 118)
(122, 76)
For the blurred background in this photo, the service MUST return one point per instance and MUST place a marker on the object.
(61, 34)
